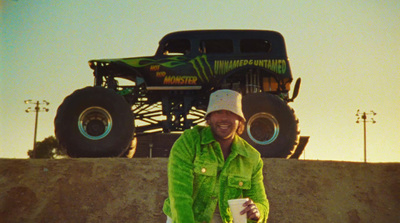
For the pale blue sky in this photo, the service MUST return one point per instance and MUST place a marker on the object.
(346, 52)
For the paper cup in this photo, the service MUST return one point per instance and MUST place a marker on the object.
(236, 206)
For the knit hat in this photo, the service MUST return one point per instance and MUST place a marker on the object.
(225, 99)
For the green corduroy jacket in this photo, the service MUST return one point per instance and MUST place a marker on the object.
(199, 177)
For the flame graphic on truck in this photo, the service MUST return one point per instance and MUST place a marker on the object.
(200, 64)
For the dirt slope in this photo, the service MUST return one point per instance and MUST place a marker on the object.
(133, 190)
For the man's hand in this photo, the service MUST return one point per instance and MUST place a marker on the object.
(251, 210)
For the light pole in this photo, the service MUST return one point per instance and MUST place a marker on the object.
(37, 109)
(363, 115)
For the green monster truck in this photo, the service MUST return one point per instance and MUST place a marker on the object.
(169, 92)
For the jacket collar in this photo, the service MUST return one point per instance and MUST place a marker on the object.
(237, 144)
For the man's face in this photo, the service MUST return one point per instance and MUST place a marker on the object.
(223, 124)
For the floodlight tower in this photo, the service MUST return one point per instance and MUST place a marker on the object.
(363, 115)
(37, 109)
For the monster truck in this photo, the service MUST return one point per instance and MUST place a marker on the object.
(168, 92)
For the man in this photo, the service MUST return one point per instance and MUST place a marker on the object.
(209, 165)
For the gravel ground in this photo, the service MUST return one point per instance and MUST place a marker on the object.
(133, 190)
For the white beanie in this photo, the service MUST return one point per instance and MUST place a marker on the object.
(226, 99)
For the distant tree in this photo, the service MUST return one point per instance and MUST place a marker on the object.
(46, 149)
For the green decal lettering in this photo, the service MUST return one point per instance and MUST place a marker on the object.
(279, 67)
(273, 65)
(283, 66)
(226, 65)
(234, 64)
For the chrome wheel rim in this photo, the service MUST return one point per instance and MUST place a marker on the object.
(95, 123)
(262, 128)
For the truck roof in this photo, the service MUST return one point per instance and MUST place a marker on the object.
(225, 33)
(274, 38)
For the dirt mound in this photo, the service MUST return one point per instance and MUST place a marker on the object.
(133, 190)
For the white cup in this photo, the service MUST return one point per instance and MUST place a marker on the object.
(236, 206)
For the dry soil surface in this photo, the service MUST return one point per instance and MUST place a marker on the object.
(133, 190)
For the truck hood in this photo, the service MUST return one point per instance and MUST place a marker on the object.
(138, 62)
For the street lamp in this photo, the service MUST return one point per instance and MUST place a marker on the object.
(363, 116)
(36, 109)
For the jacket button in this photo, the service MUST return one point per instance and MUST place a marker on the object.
(240, 183)
(203, 170)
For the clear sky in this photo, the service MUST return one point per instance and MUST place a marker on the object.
(346, 52)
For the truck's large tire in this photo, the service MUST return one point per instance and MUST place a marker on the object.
(271, 125)
(94, 122)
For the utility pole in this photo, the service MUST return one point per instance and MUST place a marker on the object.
(37, 109)
(363, 116)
